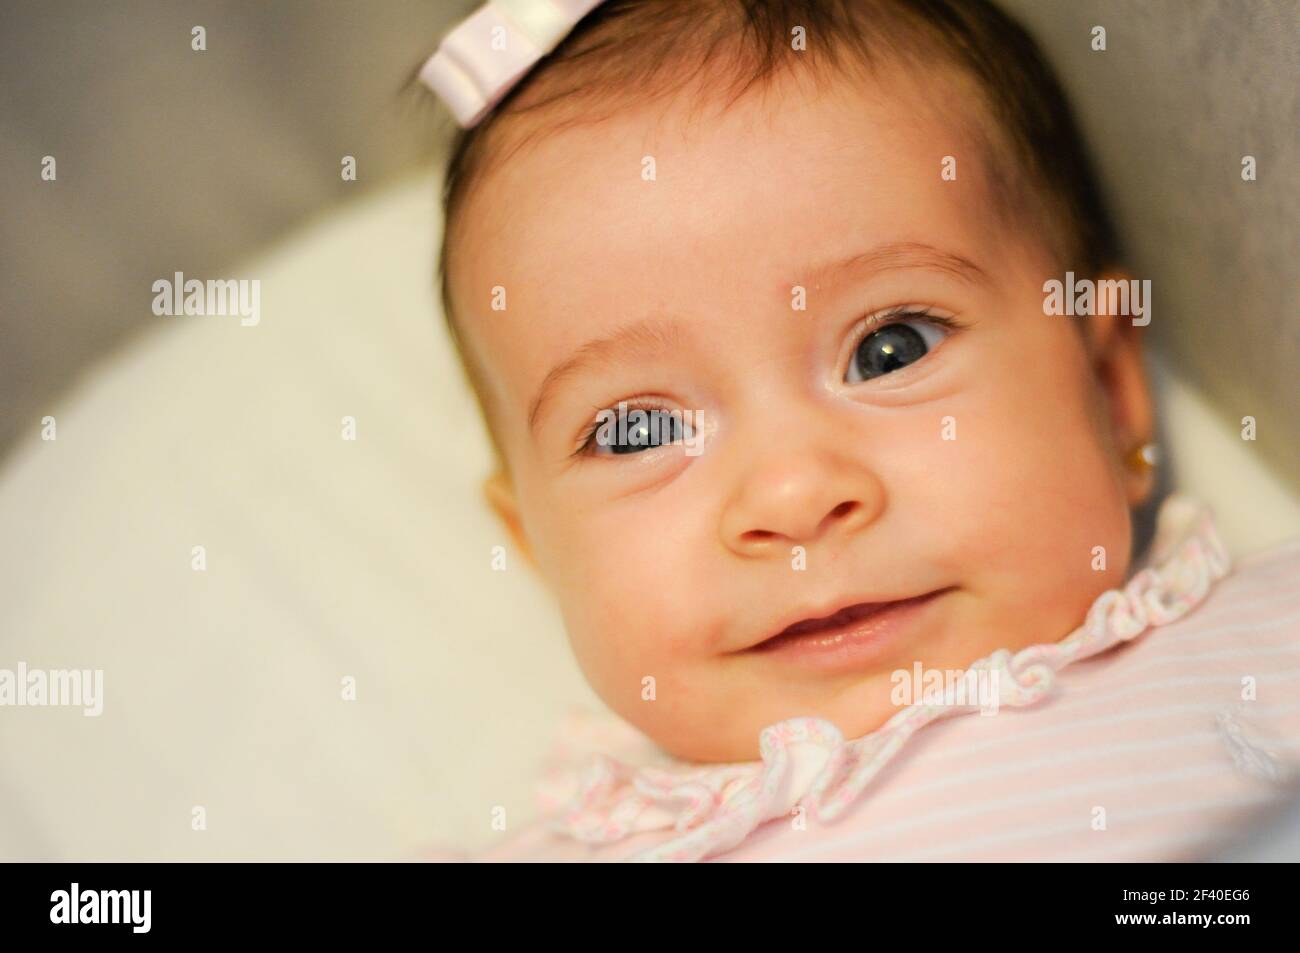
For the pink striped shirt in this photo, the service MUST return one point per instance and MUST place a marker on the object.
(1151, 750)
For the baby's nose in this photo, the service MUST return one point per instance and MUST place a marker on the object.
(796, 499)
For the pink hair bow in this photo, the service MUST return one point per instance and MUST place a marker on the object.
(479, 61)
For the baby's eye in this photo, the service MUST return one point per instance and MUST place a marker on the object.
(892, 347)
(637, 430)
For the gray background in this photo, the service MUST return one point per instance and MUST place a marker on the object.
(175, 160)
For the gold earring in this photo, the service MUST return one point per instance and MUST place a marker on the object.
(1143, 458)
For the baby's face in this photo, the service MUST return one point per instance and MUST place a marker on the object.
(919, 441)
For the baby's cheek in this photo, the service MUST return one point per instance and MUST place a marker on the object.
(627, 597)
(633, 672)
(1055, 528)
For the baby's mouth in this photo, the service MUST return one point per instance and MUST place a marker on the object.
(854, 633)
(853, 613)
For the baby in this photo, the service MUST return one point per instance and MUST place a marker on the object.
(752, 295)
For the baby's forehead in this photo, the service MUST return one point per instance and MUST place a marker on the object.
(779, 178)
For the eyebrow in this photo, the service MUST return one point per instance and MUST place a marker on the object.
(894, 256)
(647, 336)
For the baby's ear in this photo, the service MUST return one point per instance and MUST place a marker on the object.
(500, 493)
(1115, 348)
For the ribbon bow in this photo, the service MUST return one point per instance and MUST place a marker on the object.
(484, 56)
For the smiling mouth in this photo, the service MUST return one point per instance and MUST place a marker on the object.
(854, 633)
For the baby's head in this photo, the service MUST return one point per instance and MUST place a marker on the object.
(808, 241)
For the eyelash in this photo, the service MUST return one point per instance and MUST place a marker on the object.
(897, 315)
(871, 324)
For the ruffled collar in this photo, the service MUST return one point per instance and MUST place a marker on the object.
(807, 761)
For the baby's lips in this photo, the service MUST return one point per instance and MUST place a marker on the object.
(850, 611)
